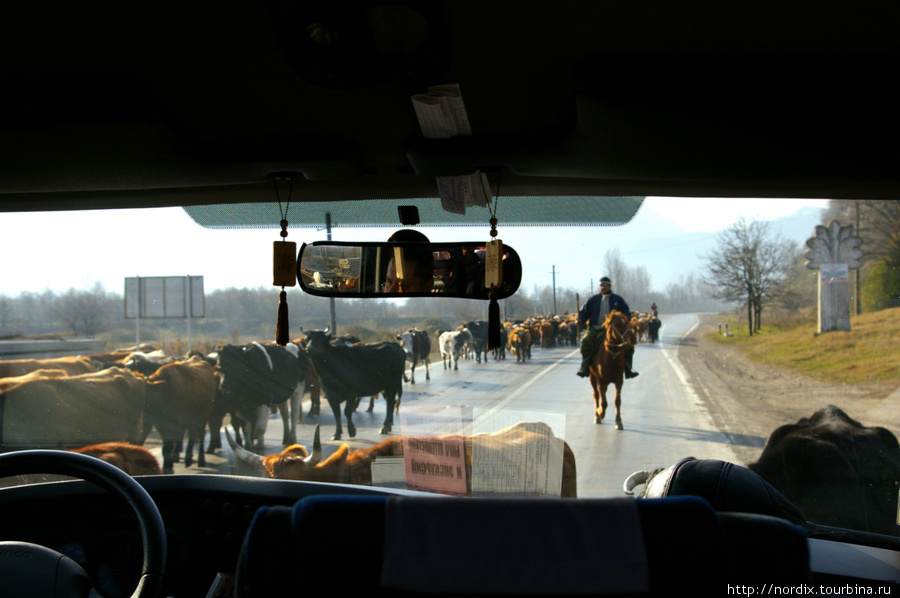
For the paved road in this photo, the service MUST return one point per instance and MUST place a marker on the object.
(664, 420)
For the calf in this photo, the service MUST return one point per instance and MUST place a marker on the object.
(133, 460)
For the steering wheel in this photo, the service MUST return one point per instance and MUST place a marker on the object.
(32, 570)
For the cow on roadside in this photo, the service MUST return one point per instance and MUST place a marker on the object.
(349, 372)
(12, 381)
(479, 341)
(180, 399)
(355, 466)
(147, 363)
(520, 343)
(499, 352)
(452, 343)
(74, 365)
(653, 327)
(74, 411)
(417, 345)
(253, 378)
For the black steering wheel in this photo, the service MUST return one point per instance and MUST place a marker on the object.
(32, 570)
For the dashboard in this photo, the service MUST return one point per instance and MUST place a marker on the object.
(206, 518)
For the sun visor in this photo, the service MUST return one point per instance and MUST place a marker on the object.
(567, 210)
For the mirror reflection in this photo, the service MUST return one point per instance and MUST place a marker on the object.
(341, 269)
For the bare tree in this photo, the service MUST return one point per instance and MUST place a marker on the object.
(86, 312)
(747, 265)
(614, 267)
(878, 225)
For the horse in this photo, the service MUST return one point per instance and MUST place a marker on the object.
(608, 364)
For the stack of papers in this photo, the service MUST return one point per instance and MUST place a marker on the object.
(442, 115)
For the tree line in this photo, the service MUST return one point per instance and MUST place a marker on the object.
(238, 315)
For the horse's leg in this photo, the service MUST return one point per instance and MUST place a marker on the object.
(595, 386)
(603, 402)
(618, 406)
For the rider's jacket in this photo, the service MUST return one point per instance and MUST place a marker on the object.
(591, 310)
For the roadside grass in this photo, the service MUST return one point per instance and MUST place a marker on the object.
(869, 352)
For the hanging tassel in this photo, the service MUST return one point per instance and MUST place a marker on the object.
(282, 336)
(493, 324)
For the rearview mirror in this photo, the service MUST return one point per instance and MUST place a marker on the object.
(353, 270)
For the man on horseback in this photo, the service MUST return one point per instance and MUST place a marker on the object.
(594, 315)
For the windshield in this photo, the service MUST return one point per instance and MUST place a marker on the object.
(722, 349)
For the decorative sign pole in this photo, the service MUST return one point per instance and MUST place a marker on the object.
(833, 251)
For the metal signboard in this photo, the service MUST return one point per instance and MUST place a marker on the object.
(164, 297)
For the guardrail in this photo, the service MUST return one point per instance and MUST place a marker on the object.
(43, 349)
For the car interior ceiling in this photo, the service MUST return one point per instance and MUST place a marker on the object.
(604, 98)
(105, 104)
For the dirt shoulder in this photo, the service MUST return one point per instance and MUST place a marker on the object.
(748, 400)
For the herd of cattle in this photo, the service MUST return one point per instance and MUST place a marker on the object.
(518, 337)
(107, 404)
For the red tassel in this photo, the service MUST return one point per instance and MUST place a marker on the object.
(493, 324)
(282, 336)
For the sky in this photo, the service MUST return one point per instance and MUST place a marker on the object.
(63, 250)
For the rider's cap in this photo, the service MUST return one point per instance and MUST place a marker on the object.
(605, 280)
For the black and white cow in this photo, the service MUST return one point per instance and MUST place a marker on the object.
(452, 343)
(253, 378)
(349, 372)
(417, 345)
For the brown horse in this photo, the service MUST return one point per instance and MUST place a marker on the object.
(608, 364)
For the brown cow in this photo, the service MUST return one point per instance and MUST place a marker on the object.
(13, 381)
(74, 365)
(74, 411)
(547, 334)
(519, 342)
(348, 466)
(180, 397)
(133, 460)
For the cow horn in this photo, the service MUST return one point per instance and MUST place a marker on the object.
(245, 455)
(316, 455)
(634, 480)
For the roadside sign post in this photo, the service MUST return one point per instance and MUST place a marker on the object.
(164, 297)
(833, 251)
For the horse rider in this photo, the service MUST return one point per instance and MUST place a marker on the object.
(594, 314)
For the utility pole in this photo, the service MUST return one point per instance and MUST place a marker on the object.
(554, 290)
(330, 299)
(856, 301)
